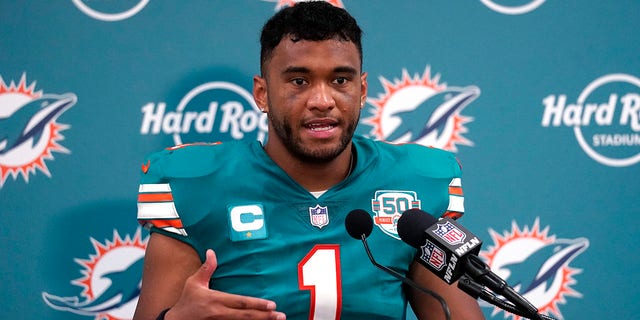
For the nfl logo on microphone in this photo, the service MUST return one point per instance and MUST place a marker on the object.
(319, 216)
(433, 255)
(450, 233)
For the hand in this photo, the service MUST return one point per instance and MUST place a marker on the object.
(197, 301)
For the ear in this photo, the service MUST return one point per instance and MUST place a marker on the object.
(363, 89)
(260, 93)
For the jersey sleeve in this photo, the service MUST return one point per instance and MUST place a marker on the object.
(160, 200)
(156, 208)
(456, 199)
(442, 164)
(455, 209)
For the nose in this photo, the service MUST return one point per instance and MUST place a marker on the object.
(321, 98)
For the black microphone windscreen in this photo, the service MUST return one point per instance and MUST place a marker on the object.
(412, 224)
(358, 222)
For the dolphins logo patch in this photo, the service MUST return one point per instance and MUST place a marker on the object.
(536, 265)
(111, 280)
(421, 110)
(29, 131)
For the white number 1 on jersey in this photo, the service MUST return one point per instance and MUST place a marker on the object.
(319, 272)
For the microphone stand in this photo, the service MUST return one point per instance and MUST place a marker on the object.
(478, 291)
(479, 271)
(405, 280)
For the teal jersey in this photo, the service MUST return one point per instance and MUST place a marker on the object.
(275, 240)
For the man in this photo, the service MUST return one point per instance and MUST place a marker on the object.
(274, 214)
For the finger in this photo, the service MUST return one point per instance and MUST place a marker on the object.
(203, 275)
(240, 302)
(238, 314)
(256, 315)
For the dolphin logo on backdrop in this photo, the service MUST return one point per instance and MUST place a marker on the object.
(536, 264)
(421, 110)
(111, 281)
(110, 10)
(512, 9)
(29, 131)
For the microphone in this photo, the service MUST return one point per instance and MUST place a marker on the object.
(359, 225)
(450, 251)
(443, 244)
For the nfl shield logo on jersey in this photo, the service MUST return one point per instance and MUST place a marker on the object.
(319, 216)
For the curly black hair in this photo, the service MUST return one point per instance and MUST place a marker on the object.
(310, 20)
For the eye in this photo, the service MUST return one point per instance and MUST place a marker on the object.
(341, 80)
(298, 81)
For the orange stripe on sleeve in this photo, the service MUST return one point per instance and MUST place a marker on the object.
(452, 214)
(155, 197)
(455, 190)
(176, 223)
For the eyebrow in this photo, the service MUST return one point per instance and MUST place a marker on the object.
(296, 70)
(343, 69)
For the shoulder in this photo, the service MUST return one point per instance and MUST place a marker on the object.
(426, 160)
(191, 160)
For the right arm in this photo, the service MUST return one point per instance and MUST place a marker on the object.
(173, 277)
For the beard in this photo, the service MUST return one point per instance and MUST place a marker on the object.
(296, 147)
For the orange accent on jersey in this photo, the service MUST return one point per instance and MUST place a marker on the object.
(455, 190)
(384, 220)
(459, 163)
(145, 167)
(155, 197)
(452, 214)
(180, 146)
(176, 223)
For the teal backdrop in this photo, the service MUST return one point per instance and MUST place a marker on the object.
(540, 100)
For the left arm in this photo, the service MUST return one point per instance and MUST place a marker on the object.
(461, 305)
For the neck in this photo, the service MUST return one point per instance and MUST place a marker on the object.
(314, 176)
